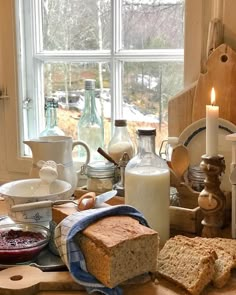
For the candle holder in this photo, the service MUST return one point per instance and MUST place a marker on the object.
(211, 199)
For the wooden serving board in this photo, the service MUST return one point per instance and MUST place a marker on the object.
(29, 280)
(190, 105)
(221, 74)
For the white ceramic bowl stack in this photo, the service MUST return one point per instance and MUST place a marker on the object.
(28, 191)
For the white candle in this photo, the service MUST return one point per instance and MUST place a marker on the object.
(217, 8)
(212, 115)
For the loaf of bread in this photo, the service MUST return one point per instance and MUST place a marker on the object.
(118, 248)
(187, 263)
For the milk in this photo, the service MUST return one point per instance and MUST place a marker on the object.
(148, 190)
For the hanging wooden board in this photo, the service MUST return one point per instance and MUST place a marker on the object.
(190, 105)
(220, 74)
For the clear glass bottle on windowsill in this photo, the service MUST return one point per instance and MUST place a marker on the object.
(51, 128)
(90, 125)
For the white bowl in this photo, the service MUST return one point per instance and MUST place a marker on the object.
(31, 190)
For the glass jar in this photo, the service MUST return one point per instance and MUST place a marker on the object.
(120, 142)
(100, 176)
(147, 184)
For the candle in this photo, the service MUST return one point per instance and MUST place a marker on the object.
(217, 8)
(212, 115)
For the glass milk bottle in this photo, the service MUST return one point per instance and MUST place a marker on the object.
(120, 142)
(147, 184)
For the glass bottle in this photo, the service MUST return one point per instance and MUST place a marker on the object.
(147, 184)
(51, 119)
(90, 125)
(120, 142)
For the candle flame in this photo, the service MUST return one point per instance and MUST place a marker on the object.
(213, 96)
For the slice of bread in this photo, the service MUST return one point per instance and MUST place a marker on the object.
(225, 261)
(187, 263)
(229, 245)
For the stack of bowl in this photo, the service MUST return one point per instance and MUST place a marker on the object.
(26, 191)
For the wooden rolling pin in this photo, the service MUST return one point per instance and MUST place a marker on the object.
(30, 280)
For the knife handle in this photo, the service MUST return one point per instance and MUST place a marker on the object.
(87, 201)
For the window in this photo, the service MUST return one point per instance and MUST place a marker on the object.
(25, 90)
(132, 48)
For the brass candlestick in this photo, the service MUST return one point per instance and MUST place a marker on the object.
(211, 199)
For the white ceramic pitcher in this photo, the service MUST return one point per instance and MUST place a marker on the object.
(58, 149)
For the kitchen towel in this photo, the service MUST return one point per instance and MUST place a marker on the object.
(70, 252)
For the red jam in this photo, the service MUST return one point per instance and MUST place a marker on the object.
(19, 246)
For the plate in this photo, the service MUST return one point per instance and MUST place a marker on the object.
(46, 261)
(194, 138)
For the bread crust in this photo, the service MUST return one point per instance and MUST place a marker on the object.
(224, 262)
(187, 264)
(119, 248)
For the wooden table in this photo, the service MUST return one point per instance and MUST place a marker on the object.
(149, 288)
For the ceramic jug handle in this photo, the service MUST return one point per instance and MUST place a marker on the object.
(84, 144)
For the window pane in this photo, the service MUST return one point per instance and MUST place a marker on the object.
(153, 24)
(76, 24)
(147, 88)
(65, 82)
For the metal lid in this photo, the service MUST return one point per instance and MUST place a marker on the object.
(120, 122)
(173, 140)
(50, 102)
(89, 84)
(100, 169)
(146, 131)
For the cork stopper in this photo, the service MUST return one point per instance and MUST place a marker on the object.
(120, 122)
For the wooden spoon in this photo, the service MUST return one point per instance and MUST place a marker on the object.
(180, 160)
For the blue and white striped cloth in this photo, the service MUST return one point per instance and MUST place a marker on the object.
(70, 251)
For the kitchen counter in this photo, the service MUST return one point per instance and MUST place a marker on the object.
(150, 288)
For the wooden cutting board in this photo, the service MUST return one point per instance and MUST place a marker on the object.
(221, 74)
(22, 280)
(190, 105)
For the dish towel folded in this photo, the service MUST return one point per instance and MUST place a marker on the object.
(70, 252)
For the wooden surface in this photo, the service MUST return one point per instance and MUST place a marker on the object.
(190, 105)
(52, 283)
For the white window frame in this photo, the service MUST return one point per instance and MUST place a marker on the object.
(193, 23)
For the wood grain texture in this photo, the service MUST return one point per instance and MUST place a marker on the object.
(221, 74)
(180, 111)
(190, 105)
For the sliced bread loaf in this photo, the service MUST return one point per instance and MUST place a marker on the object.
(184, 262)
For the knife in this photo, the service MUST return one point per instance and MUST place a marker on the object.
(90, 200)
(87, 201)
